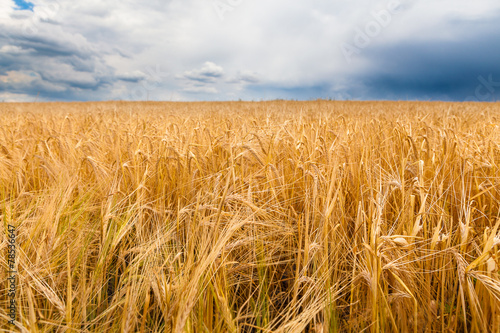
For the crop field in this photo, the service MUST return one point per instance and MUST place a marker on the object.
(279, 216)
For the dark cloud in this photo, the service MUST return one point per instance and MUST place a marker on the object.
(94, 50)
(437, 70)
(50, 62)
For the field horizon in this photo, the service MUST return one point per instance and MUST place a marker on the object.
(267, 216)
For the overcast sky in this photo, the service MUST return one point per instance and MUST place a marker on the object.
(249, 49)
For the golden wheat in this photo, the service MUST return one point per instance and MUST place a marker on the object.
(252, 217)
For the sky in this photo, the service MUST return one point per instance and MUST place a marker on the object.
(217, 50)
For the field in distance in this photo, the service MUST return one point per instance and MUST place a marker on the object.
(251, 217)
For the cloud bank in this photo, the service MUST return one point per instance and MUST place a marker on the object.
(251, 50)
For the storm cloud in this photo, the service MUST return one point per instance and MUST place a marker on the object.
(251, 50)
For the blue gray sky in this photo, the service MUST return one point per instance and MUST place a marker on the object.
(191, 50)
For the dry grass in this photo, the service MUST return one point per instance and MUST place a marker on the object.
(252, 217)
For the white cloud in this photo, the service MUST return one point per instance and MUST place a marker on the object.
(209, 73)
(20, 78)
(13, 50)
(245, 77)
(13, 97)
(134, 76)
(200, 89)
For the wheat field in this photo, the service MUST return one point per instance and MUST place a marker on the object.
(277, 216)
